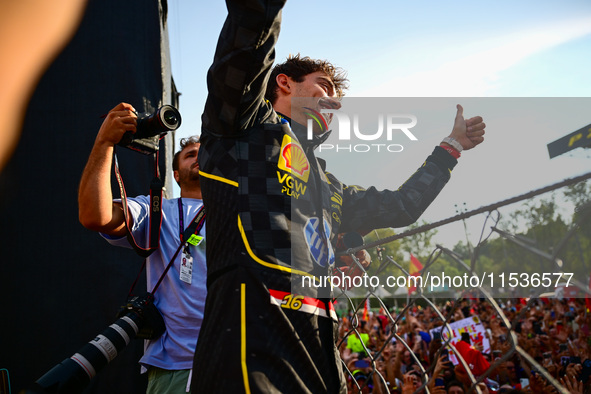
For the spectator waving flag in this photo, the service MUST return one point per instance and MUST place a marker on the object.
(414, 270)
(473, 357)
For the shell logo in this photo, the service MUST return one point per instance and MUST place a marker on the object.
(293, 159)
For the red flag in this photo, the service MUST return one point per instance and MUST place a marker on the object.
(588, 298)
(366, 310)
(414, 270)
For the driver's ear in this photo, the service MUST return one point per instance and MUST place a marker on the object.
(284, 83)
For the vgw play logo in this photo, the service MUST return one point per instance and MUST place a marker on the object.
(349, 131)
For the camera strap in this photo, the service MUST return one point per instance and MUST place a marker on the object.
(155, 213)
(189, 236)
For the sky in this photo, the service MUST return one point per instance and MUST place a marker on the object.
(523, 66)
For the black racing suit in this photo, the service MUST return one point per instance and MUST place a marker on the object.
(256, 335)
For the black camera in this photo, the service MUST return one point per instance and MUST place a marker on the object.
(150, 128)
(139, 317)
(153, 323)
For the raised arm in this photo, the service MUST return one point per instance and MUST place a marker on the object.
(368, 209)
(244, 55)
(96, 210)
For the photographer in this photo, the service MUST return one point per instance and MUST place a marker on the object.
(181, 295)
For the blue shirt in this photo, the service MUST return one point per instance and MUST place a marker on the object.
(181, 304)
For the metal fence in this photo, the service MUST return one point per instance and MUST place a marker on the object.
(444, 310)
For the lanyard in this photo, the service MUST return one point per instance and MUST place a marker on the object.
(190, 234)
(181, 222)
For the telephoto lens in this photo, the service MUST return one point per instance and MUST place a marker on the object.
(138, 318)
(72, 375)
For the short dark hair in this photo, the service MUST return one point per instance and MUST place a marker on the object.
(184, 143)
(297, 67)
(454, 383)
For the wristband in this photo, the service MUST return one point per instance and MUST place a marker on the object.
(451, 151)
(453, 142)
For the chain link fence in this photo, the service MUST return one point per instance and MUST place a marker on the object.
(401, 340)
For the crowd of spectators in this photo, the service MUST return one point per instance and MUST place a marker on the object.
(554, 332)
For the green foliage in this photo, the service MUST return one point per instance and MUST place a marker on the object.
(539, 224)
(579, 193)
(419, 244)
(545, 224)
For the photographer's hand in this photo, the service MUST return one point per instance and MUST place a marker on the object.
(96, 210)
(119, 120)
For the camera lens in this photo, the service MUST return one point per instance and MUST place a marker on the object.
(150, 128)
(170, 117)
